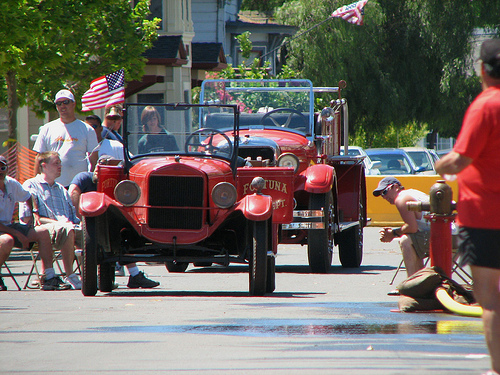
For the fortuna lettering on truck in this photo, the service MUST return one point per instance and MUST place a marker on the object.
(270, 185)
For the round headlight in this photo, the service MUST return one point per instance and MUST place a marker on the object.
(224, 194)
(289, 160)
(127, 192)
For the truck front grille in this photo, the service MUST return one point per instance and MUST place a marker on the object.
(175, 191)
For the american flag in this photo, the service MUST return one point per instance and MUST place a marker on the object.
(105, 91)
(352, 13)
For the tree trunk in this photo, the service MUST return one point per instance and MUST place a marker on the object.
(13, 106)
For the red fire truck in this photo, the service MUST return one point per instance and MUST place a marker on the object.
(224, 182)
(279, 127)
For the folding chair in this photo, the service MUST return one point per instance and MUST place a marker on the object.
(455, 270)
(403, 267)
(9, 274)
(34, 271)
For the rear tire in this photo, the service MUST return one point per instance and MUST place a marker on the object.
(89, 266)
(258, 258)
(176, 267)
(351, 247)
(320, 242)
(351, 241)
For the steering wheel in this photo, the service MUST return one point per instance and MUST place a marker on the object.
(207, 146)
(287, 123)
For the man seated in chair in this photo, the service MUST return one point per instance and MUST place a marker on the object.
(17, 234)
(53, 210)
(415, 232)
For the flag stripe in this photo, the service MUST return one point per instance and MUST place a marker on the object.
(105, 91)
(352, 13)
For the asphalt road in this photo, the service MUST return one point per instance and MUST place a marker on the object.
(204, 322)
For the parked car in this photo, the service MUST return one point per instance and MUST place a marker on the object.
(395, 161)
(371, 167)
(423, 157)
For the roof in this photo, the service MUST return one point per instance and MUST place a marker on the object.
(208, 53)
(167, 50)
(253, 20)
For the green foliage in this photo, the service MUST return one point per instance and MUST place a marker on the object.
(408, 64)
(51, 44)
(261, 5)
(254, 71)
(245, 44)
(391, 136)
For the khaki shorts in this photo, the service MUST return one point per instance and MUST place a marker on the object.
(59, 233)
(421, 242)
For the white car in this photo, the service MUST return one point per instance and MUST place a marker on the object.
(371, 167)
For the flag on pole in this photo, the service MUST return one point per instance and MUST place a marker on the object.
(352, 13)
(105, 91)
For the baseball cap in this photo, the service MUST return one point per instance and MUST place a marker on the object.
(114, 111)
(490, 55)
(384, 183)
(64, 94)
(3, 160)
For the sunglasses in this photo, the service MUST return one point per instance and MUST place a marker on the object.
(385, 191)
(3, 168)
(65, 102)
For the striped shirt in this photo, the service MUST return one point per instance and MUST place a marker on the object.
(53, 201)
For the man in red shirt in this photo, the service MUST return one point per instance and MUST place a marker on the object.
(476, 162)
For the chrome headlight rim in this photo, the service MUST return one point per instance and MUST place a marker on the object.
(132, 187)
(224, 195)
(289, 160)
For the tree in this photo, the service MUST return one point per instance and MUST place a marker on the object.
(409, 62)
(46, 45)
(261, 5)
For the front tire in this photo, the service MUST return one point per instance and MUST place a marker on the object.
(106, 277)
(271, 274)
(89, 266)
(320, 242)
(258, 258)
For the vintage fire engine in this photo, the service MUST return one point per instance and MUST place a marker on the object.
(177, 198)
(224, 182)
(279, 128)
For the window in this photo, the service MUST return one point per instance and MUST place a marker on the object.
(150, 98)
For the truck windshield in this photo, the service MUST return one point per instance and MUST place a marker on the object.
(286, 104)
(154, 129)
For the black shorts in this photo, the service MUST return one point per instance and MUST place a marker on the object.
(479, 247)
(24, 229)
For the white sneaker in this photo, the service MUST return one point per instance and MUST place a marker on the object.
(74, 281)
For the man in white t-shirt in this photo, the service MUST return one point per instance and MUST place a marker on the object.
(73, 139)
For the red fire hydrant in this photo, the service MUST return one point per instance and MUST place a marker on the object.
(441, 216)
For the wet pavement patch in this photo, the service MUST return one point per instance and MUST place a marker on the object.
(310, 328)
